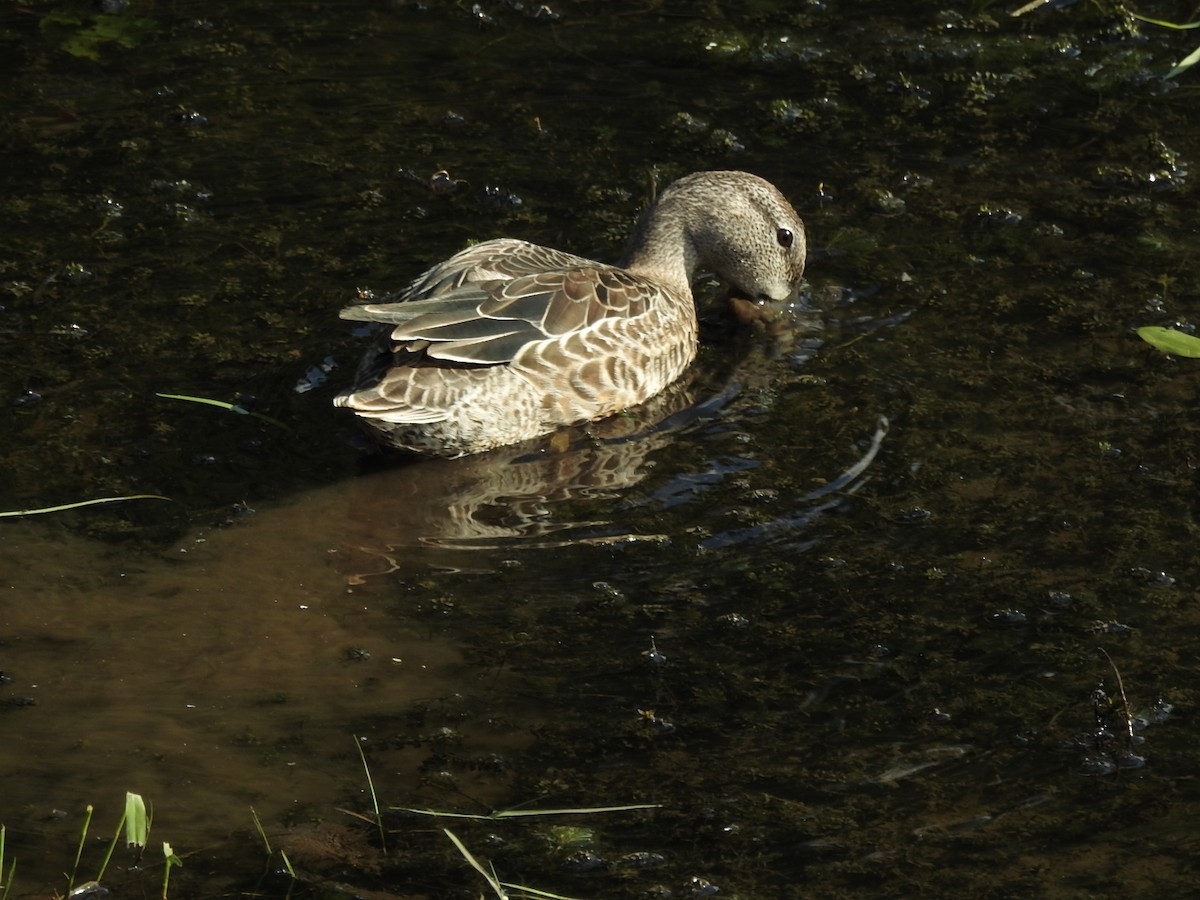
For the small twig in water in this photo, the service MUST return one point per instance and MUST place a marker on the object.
(1124, 699)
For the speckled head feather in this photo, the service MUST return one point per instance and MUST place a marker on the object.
(509, 340)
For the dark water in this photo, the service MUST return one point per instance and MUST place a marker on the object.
(843, 658)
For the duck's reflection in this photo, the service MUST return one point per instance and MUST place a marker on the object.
(430, 512)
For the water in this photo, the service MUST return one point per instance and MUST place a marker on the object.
(883, 683)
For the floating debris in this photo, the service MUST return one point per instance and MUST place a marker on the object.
(653, 655)
(316, 375)
(1008, 617)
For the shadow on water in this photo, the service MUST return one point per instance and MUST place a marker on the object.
(880, 684)
(232, 670)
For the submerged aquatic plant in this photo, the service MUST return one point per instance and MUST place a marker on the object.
(85, 36)
(502, 888)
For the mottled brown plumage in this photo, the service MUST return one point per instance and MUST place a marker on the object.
(508, 340)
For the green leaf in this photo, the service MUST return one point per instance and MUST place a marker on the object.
(137, 826)
(1168, 340)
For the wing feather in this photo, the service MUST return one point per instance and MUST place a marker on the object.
(496, 350)
(462, 305)
(502, 259)
(485, 305)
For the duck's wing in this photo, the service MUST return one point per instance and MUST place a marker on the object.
(502, 259)
(490, 322)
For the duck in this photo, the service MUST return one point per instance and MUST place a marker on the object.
(507, 340)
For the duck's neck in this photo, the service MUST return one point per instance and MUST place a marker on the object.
(662, 247)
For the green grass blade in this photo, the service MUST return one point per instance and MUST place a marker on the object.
(1184, 64)
(477, 866)
(261, 831)
(221, 404)
(527, 891)
(81, 503)
(1029, 7)
(1177, 26)
(518, 813)
(5, 886)
(87, 821)
(112, 845)
(572, 811)
(12, 874)
(374, 799)
(1168, 340)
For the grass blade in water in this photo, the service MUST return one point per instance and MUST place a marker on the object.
(81, 503)
(221, 404)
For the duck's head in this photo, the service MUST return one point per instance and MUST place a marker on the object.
(743, 228)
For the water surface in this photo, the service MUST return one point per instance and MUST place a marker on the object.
(887, 683)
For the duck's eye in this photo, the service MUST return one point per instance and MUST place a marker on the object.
(785, 237)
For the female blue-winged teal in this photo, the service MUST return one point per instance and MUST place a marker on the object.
(508, 340)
